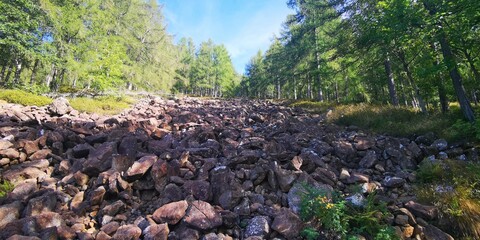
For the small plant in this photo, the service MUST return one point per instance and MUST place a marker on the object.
(24, 98)
(453, 186)
(335, 215)
(5, 188)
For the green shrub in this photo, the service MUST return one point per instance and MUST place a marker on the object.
(5, 188)
(24, 98)
(104, 105)
(334, 215)
(454, 187)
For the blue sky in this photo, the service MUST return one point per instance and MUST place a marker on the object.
(243, 26)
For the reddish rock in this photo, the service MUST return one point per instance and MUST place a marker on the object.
(30, 147)
(127, 232)
(48, 219)
(100, 159)
(96, 196)
(156, 232)
(39, 205)
(110, 227)
(140, 167)
(9, 153)
(159, 174)
(171, 213)
(201, 215)
(288, 224)
(5, 144)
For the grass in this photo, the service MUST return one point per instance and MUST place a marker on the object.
(104, 105)
(5, 188)
(23, 98)
(454, 187)
(398, 121)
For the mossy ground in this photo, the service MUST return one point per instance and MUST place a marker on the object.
(104, 105)
(23, 97)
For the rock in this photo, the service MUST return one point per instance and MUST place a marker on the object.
(357, 200)
(127, 232)
(9, 153)
(344, 150)
(401, 220)
(4, 144)
(110, 227)
(20, 237)
(100, 159)
(18, 175)
(285, 179)
(9, 213)
(288, 224)
(433, 233)
(171, 213)
(140, 167)
(59, 106)
(159, 174)
(200, 189)
(82, 150)
(423, 211)
(440, 144)
(344, 174)
(48, 219)
(96, 196)
(258, 226)
(201, 215)
(156, 232)
(369, 160)
(39, 205)
(364, 143)
(393, 182)
(408, 231)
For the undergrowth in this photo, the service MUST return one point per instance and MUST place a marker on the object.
(104, 105)
(23, 98)
(339, 218)
(5, 188)
(399, 121)
(454, 187)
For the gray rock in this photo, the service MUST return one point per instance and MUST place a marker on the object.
(393, 182)
(433, 233)
(60, 106)
(140, 167)
(258, 226)
(423, 211)
(369, 160)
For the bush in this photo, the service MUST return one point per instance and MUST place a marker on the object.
(454, 187)
(337, 217)
(24, 98)
(104, 105)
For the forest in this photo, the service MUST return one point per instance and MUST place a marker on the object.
(423, 54)
(95, 45)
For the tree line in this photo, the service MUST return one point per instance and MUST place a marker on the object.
(98, 45)
(420, 53)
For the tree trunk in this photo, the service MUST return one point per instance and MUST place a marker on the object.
(7, 77)
(2, 73)
(416, 89)
(295, 88)
(34, 72)
(18, 71)
(391, 82)
(451, 64)
(319, 77)
(279, 93)
(474, 69)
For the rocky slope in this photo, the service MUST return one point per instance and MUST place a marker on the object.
(195, 169)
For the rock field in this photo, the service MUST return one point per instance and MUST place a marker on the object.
(196, 169)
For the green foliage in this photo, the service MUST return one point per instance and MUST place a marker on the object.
(5, 188)
(105, 105)
(24, 98)
(333, 214)
(453, 186)
(310, 233)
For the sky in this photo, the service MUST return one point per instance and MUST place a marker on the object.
(243, 26)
